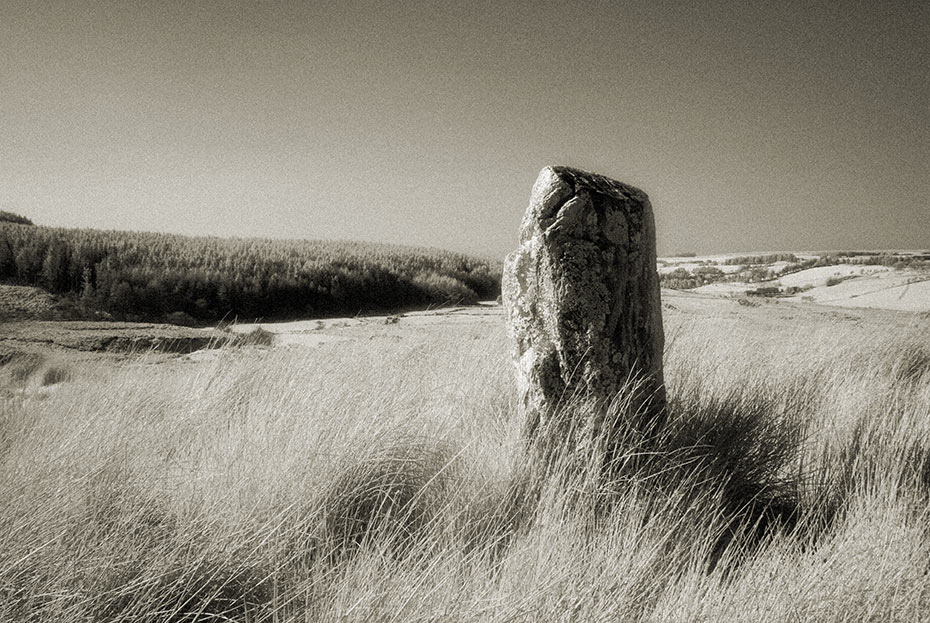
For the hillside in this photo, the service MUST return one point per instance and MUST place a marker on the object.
(164, 277)
(897, 280)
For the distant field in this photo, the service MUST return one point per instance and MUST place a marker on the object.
(881, 279)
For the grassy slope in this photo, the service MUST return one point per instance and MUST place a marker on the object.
(378, 480)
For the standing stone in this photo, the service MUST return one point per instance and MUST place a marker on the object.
(582, 298)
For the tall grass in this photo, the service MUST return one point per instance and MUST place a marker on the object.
(374, 482)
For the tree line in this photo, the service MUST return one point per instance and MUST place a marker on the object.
(157, 277)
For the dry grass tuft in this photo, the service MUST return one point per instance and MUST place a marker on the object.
(394, 495)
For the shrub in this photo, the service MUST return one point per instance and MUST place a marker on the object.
(796, 267)
(679, 279)
(761, 259)
(767, 291)
(181, 319)
(709, 274)
(444, 289)
(756, 274)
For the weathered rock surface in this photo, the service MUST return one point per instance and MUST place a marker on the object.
(582, 296)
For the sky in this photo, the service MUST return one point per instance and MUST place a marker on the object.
(775, 126)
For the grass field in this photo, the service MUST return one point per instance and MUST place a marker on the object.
(383, 478)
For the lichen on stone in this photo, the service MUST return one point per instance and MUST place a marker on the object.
(582, 293)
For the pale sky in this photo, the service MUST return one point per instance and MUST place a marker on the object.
(752, 126)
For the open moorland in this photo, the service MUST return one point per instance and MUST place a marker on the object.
(876, 279)
(371, 468)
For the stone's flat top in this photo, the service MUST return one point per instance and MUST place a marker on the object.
(585, 180)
